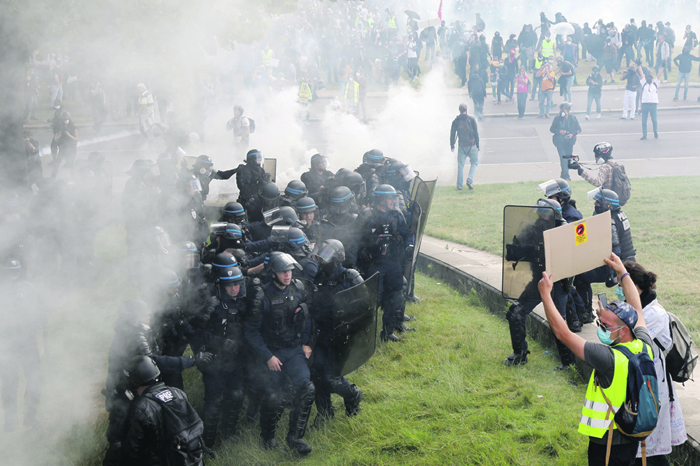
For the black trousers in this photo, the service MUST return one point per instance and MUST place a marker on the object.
(620, 455)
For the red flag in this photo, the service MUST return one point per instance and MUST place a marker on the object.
(440, 11)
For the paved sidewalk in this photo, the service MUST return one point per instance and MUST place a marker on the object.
(486, 267)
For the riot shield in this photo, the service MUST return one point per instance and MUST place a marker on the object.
(270, 166)
(190, 160)
(421, 199)
(355, 326)
(523, 250)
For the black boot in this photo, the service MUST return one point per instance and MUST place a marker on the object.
(270, 414)
(585, 316)
(402, 327)
(299, 418)
(352, 403)
(230, 412)
(210, 418)
(389, 337)
(324, 407)
(517, 359)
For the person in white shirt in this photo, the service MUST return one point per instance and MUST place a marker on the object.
(650, 100)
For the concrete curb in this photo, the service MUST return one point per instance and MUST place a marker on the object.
(537, 328)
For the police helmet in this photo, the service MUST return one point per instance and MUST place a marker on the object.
(374, 157)
(269, 192)
(189, 183)
(295, 190)
(565, 189)
(296, 238)
(190, 254)
(356, 183)
(318, 160)
(305, 205)
(603, 149)
(341, 174)
(139, 167)
(342, 200)
(399, 171)
(279, 234)
(234, 212)
(204, 165)
(544, 211)
(254, 156)
(384, 192)
(234, 235)
(142, 371)
(133, 310)
(230, 276)
(549, 188)
(282, 262)
(167, 278)
(605, 198)
(159, 238)
(224, 260)
(328, 252)
(217, 229)
(289, 216)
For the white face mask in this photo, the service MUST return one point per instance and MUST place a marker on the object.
(66, 121)
(600, 161)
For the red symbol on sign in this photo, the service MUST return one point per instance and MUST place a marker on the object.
(580, 229)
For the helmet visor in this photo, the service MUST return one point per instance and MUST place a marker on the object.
(593, 194)
(549, 188)
(280, 234)
(323, 253)
(192, 259)
(272, 216)
(407, 173)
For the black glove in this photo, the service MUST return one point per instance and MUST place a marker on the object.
(409, 250)
(202, 359)
(580, 171)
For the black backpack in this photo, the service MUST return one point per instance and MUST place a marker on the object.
(621, 183)
(183, 428)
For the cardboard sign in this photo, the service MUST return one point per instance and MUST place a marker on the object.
(578, 247)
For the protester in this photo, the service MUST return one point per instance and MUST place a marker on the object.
(650, 100)
(565, 128)
(523, 89)
(684, 62)
(595, 91)
(632, 75)
(546, 89)
(465, 129)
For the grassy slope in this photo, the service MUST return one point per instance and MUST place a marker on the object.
(442, 397)
(664, 213)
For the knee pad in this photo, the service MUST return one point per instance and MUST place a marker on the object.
(515, 312)
(236, 396)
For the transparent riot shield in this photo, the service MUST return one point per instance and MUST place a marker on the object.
(190, 160)
(523, 250)
(421, 200)
(355, 326)
(270, 167)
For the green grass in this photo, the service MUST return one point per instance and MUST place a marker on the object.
(441, 397)
(664, 213)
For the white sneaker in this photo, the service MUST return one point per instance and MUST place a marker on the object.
(586, 117)
(665, 80)
(598, 116)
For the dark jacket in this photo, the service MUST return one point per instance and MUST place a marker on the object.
(684, 62)
(466, 128)
(145, 443)
(569, 125)
(595, 84)
(477, 87)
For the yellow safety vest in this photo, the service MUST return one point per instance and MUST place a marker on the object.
(538, 63)
(391, 24)
(356, 89)
(370, 22)
(595, 419)
(304, 93)
(266, 57)
(547, 48)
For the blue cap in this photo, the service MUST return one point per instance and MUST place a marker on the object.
(626, 313)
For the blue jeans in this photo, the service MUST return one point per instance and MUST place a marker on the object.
(682, 77)
(565, 148)
(545, 96)
(649, 109)
(473, 154)
(663, 64)
(591, 99)
(565, 88)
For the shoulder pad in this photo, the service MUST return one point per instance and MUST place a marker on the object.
(354, 277)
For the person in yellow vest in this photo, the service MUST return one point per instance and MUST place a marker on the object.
(548, 47)
(391, 27)
(266, 55)
(620, 324)
(305, 96)
(352, 94)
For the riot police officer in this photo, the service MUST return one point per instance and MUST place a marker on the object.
(385, 240)
(223, 336)
(371, 161)
(279, 331)
(307, 211)
(317, 177)
(204, 171)
(294, 191)
(191, 222)
(266, 199)
(340, 223)
(522, 250)
(331, 278)
(250, 177)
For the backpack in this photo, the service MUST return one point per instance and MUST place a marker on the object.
(251, 128)
(621, 183)
(466, 130)
(681, 358)
(183, 429)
